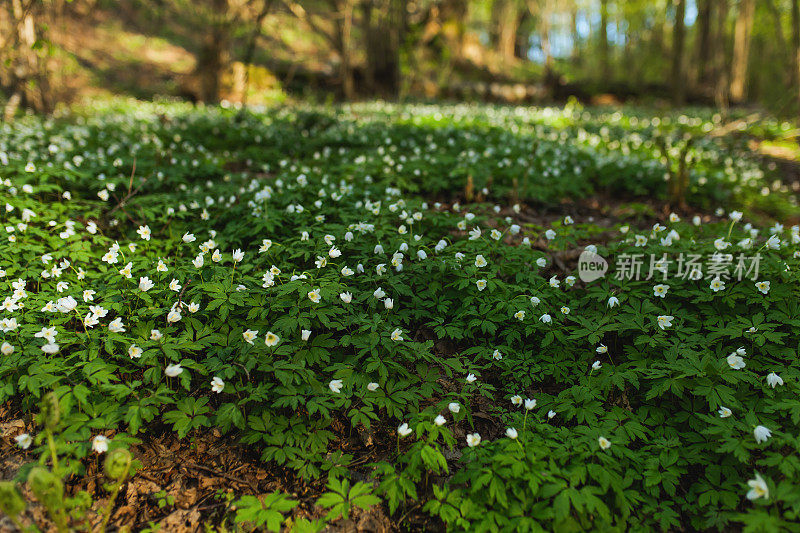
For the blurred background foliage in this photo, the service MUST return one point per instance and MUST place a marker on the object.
(700, 52)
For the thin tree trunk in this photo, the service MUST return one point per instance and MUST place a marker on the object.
(678, 34)
(703, 40)
(741, 50)
(796, 48)
(211, 59)
(605, 66)
(575, 53)
(508, 24)
(719, 55)
(251, 50)
(384, 27)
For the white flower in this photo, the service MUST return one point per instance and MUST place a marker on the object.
(530, 404)
(763, 286)
(305, 334)
(403, 430)
(546, 318)
(601, 349)
(520, 315)
(134, 351)
(372, 387)
(388, 303)
(6, 349)
(774, 243)
(735, 362)
(613, 301)
(471, 378)
(535, 301)
(397, 334)
(217, 385)
(271, 339)
(551, 413)
(761, 434)
(145, 284)
(238, 255)
(473, 439)
(550, 234)
(216, 256)
(346, 297)
(604, 443)
(454, 407)
(720, 244)
(496, 355)
(596, 365)
(314, 296)
(50, 348)
(335, 385)
(516, 399)
(511, 433)
(116, 326)
(250, 335)
(24, 440)
(188, 237)
(660, 290)
(66, 304)
(173, 370)
(155, 335)
(717, 285)
(174, 315)
(480, 261)
(100, 444)
(758, 488)
(198, 261)
(724, 412)
(439, 420)
(481, 284)
(773, 380)
(554, 282)
(379, 293)
(665, 321)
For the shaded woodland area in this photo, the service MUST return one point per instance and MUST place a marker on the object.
(716, 52)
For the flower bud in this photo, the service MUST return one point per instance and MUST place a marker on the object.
(47, 487)
(118, 463)
(11, 502)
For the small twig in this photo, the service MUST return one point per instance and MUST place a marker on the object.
(225, 475)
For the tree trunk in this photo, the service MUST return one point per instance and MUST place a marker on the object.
(741, 49)
(605, 65)
(343, 44)
(575, 53)
(678, 81)
(26, 74)
(384, 26)
(508, 24)
(211, 59)
(796, 48)
(719, 55)
(703, 42)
